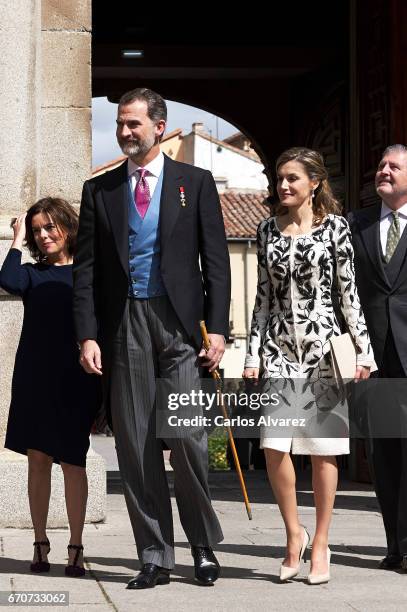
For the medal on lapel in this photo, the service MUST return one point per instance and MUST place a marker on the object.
(182, 196)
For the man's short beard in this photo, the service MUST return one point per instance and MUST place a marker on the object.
(136, 147)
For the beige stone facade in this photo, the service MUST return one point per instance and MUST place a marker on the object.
(45, 126)
(66, 98)
(243, 263)
(173, 145)
(232, 167)
(20, 103)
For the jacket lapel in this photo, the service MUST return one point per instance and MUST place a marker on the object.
(402, 273)
(170, 203)
(369, 225)
(115, 195)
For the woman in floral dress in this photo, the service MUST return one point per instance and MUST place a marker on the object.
(303, 251)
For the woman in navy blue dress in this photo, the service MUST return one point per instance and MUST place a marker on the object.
(53, 402)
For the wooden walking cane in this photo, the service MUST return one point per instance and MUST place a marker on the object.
(216, 376)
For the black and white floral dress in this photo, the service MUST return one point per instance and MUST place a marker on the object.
(294, 318)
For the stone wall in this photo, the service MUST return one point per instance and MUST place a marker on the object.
(45, 127)
(45, 149)
(66, 98)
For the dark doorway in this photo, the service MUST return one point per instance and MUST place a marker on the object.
(280, 77)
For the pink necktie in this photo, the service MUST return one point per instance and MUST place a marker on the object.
(142, 193)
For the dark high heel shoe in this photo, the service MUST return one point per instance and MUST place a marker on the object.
(74, 570)
(40, 565)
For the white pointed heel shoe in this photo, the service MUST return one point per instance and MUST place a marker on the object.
(286, 573)
(321, 578)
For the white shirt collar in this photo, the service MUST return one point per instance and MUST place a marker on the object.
(387, 211)
(154, 167)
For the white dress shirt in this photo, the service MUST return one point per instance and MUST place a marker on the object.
(154, 170)
(386, 220)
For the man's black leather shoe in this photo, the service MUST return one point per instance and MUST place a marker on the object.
(149, 576)
(391, 562)
(207, 568)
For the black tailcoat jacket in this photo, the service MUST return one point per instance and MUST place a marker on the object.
(383, 299)
(194, 255)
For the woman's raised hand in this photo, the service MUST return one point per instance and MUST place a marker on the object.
(19, 231)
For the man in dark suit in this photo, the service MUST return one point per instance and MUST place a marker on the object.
(380, 243)
(151, 261)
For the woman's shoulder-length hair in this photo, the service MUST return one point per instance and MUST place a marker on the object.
(62, 214)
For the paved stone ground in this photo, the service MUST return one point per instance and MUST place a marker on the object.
(250, 556)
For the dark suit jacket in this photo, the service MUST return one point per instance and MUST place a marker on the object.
(188, 234)
(383, 303)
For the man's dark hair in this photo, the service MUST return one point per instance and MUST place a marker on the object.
(62, 214)
(156, 106)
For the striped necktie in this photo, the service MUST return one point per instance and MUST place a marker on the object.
(393, 236)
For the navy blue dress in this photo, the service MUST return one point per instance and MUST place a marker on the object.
(53, 402)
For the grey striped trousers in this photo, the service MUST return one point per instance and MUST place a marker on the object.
(151, 343)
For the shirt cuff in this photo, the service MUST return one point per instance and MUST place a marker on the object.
(251, 362)
(366, 361)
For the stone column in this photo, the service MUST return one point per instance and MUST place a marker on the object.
(66, 101)
(45, 149)
(19, 154)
